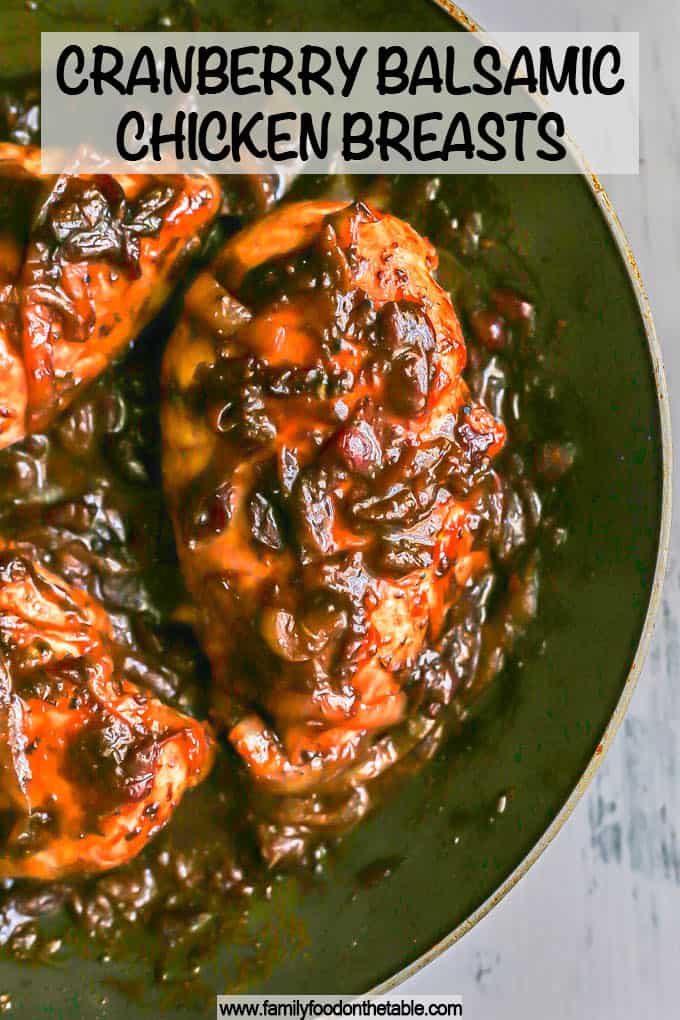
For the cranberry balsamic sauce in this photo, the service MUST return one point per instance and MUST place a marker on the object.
(85, 498)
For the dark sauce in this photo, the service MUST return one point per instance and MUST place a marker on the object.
(86, 498)
(376, 872)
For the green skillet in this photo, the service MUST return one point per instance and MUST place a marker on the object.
(542, 734)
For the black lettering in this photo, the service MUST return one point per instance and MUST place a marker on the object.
(521, 120)
(176, 78)
(388, 141)
(242, 136)
(270, 75)
(351, 70)
(459, 124)
(175, 138)
(557, 150)
(586, 64)
(308, 74)
(548, 78)
(308, 137)
(521, 71)
(497, 150)
(350, 136)
(276, 137)
(101, 74)
(483, 56)
(206, 72)
(143, 72)
(217, 119)
(135, 120)
(426, 72)
(452, 88)
(615, 54)
(385, 54)
(192, 123)
(239, 71)
(420, 136)
(77, 52)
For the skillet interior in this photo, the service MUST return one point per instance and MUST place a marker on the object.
(546, 717)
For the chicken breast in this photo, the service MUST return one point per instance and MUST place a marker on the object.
(85, 262)
(322, 460)
(92, 767)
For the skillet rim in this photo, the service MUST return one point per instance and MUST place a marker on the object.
(618, 234)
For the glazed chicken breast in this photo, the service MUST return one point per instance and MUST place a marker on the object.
(92, 767)
(85, 262)
(323, 462)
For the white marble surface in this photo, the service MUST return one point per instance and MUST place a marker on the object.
(593, 930)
